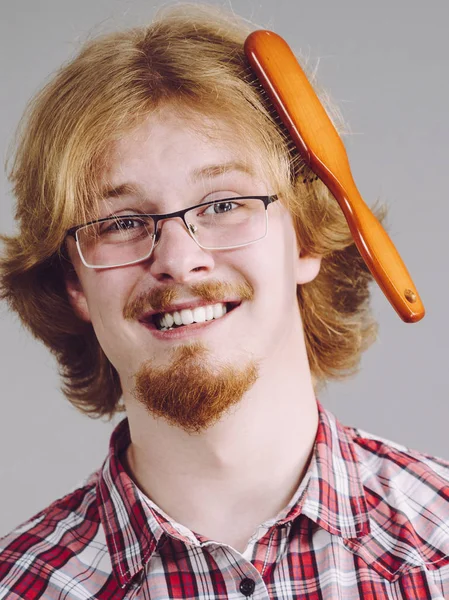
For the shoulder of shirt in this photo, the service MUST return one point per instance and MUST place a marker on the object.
(57, 526)
(386, 458)
(407, 495)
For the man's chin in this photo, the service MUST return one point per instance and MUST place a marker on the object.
(190, 393)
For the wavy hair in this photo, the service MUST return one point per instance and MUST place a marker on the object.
(192, 57)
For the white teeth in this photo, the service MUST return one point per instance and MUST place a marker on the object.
(186, 316)
(199, 314)
(218, 310)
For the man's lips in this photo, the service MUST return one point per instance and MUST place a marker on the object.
(149, 317)
(186, 330)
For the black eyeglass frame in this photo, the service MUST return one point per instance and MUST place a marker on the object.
(72, 232)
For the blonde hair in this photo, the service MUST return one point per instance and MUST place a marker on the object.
(191, 57)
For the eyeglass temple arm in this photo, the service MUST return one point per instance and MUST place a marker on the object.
(320, 145)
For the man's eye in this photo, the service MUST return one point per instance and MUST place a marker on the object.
(220, 208)
(124, 224)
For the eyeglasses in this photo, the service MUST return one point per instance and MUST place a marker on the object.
(123, 240)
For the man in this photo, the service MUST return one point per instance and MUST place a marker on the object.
(180, 262)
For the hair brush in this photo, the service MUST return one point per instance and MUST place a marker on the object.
(320, 146)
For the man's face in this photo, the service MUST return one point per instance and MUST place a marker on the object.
(192, 375)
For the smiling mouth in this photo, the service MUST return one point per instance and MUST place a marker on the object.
(168, 321)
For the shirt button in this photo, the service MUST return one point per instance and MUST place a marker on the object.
(247, 586)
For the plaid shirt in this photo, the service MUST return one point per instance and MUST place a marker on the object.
(369, 520)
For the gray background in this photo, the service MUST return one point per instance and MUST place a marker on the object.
(386, 64)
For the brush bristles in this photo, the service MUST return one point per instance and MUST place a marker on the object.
(299, 168)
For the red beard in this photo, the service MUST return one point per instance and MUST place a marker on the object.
(189, 393)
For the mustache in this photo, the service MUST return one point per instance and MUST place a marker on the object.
(211, 292)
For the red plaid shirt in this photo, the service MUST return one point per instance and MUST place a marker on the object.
(369, 520)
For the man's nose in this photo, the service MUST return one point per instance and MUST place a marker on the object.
(176, 255)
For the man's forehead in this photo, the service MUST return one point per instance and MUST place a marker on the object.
(217, 141)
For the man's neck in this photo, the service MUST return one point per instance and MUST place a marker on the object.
(225, 482)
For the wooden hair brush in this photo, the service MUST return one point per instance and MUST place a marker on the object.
(320, 146)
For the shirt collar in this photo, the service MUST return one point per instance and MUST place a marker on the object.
(331, 494)
(133, 527)
(132, 533)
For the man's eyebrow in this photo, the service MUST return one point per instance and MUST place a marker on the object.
(124, 189)
(221, 169)
(208, 171)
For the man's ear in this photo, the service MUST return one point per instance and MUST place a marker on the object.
(307, 268)
(76, 295)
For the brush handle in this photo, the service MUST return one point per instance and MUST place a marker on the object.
(322, 149)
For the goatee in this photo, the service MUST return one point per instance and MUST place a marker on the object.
(190, 392)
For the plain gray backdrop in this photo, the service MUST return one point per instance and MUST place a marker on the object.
(386, 64)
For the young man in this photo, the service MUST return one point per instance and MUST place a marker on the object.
(179, 261)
